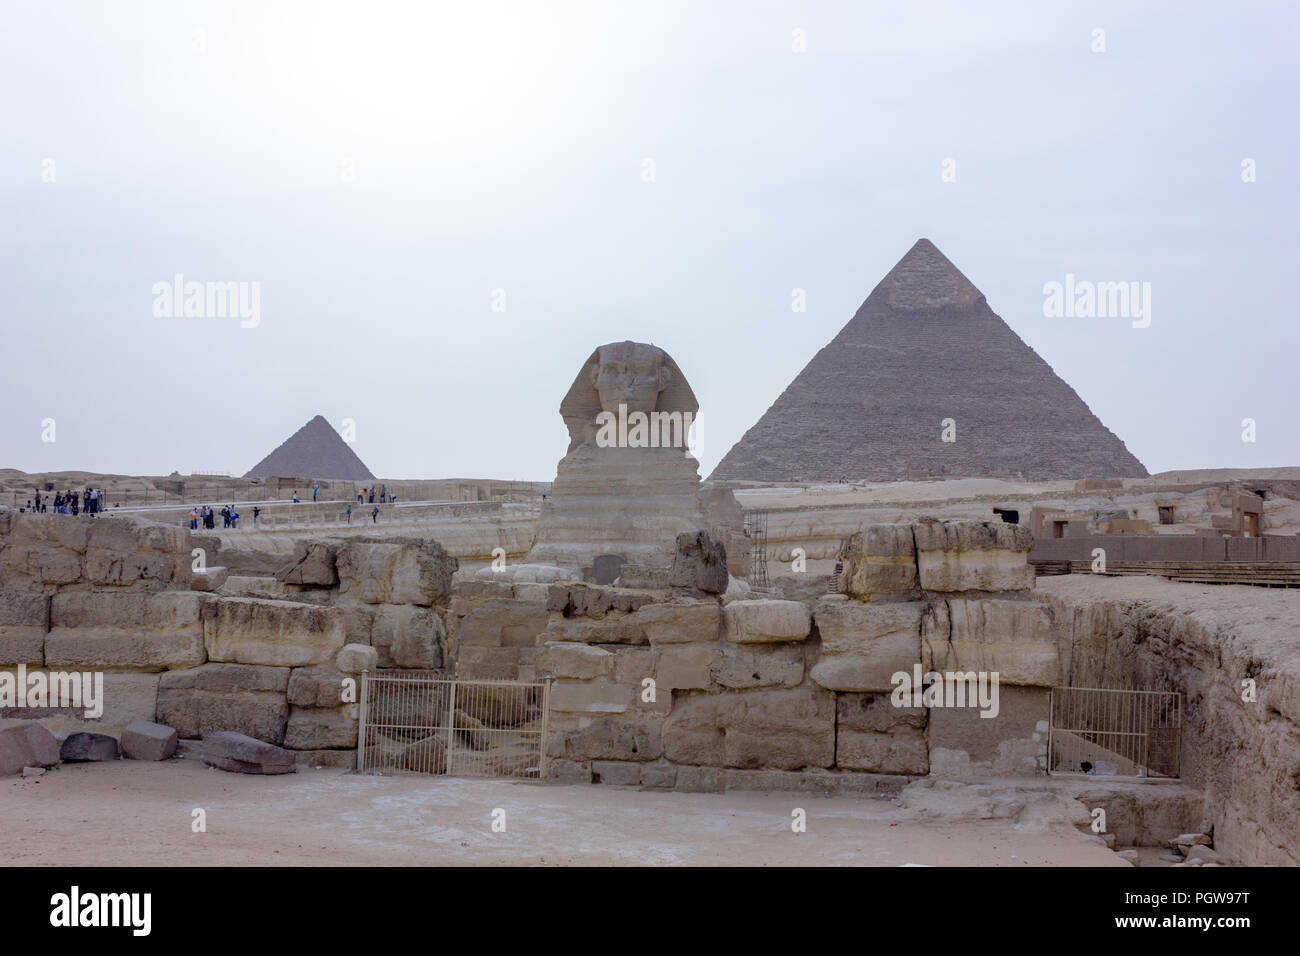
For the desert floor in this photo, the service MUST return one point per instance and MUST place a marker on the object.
(131, 813)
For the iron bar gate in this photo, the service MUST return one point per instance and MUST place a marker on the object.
(1123, 733)
(424, 722)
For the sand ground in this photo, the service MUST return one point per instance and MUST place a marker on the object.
(130, 813)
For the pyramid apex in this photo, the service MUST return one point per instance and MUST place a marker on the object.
(926, 280)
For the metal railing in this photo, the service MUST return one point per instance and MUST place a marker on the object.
(423, 722)
(1114, 732)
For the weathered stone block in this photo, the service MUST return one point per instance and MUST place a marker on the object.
(779, 729)
(408, 636)
(318, 687)
(766, 621)
(22, 628)
(568, 771)
(633, 664)
(279, 633)
(579, 661)
(88, 747)
(238, 753)
(126, 630)
(864, 645)
(782, 729)
(1012, 638)
(613, 628)
(502, 622)
(874, 735)
(700, 780)
(681, 622)
(245, 698)
(27, 745)
(956, 556)
(685, 666)
(355, 658)
(314, 564)
(592, 697)
(626, 738)
(616, 773)
(700, 563)
(759, 665)
(311, 729)
(146, 740)
(395, 571)
(879, 560)
(658, 776)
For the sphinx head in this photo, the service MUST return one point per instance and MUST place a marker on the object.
(642, 377)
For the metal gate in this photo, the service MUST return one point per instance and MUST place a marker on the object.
(1122, 733)
(424, 722)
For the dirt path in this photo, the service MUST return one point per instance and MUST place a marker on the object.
(130, 813)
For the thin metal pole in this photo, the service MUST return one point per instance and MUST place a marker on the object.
(361, 728)
(451, 725)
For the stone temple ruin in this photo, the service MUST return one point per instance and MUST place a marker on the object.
(933, 658)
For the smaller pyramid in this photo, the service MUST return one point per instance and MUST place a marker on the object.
(314, 451)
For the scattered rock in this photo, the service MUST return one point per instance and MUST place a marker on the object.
(33, 771)
(145, 740)
(238, 753)
(1202, 853)
(89, 747)
(1131, 856)
(27, 745)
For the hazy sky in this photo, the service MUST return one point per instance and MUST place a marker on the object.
(379, 170)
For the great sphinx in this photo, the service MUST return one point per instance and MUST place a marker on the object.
(628, 484)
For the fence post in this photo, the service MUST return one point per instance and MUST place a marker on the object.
(546, 725)
(451, 725)
(361, 725)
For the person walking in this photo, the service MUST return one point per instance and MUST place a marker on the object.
(256, 511)
(374, 516)
(314, 489)
(85, 495)
(234, 518)
(194, 520)
(350, 512)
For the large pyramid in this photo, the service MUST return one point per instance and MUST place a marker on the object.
(314, 451)
(925, 347)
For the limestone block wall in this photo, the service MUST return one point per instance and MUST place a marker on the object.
(261, 656)
(699, 691)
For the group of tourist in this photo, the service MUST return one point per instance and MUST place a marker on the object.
(368, 495)
(205, 514)
(66, 503)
